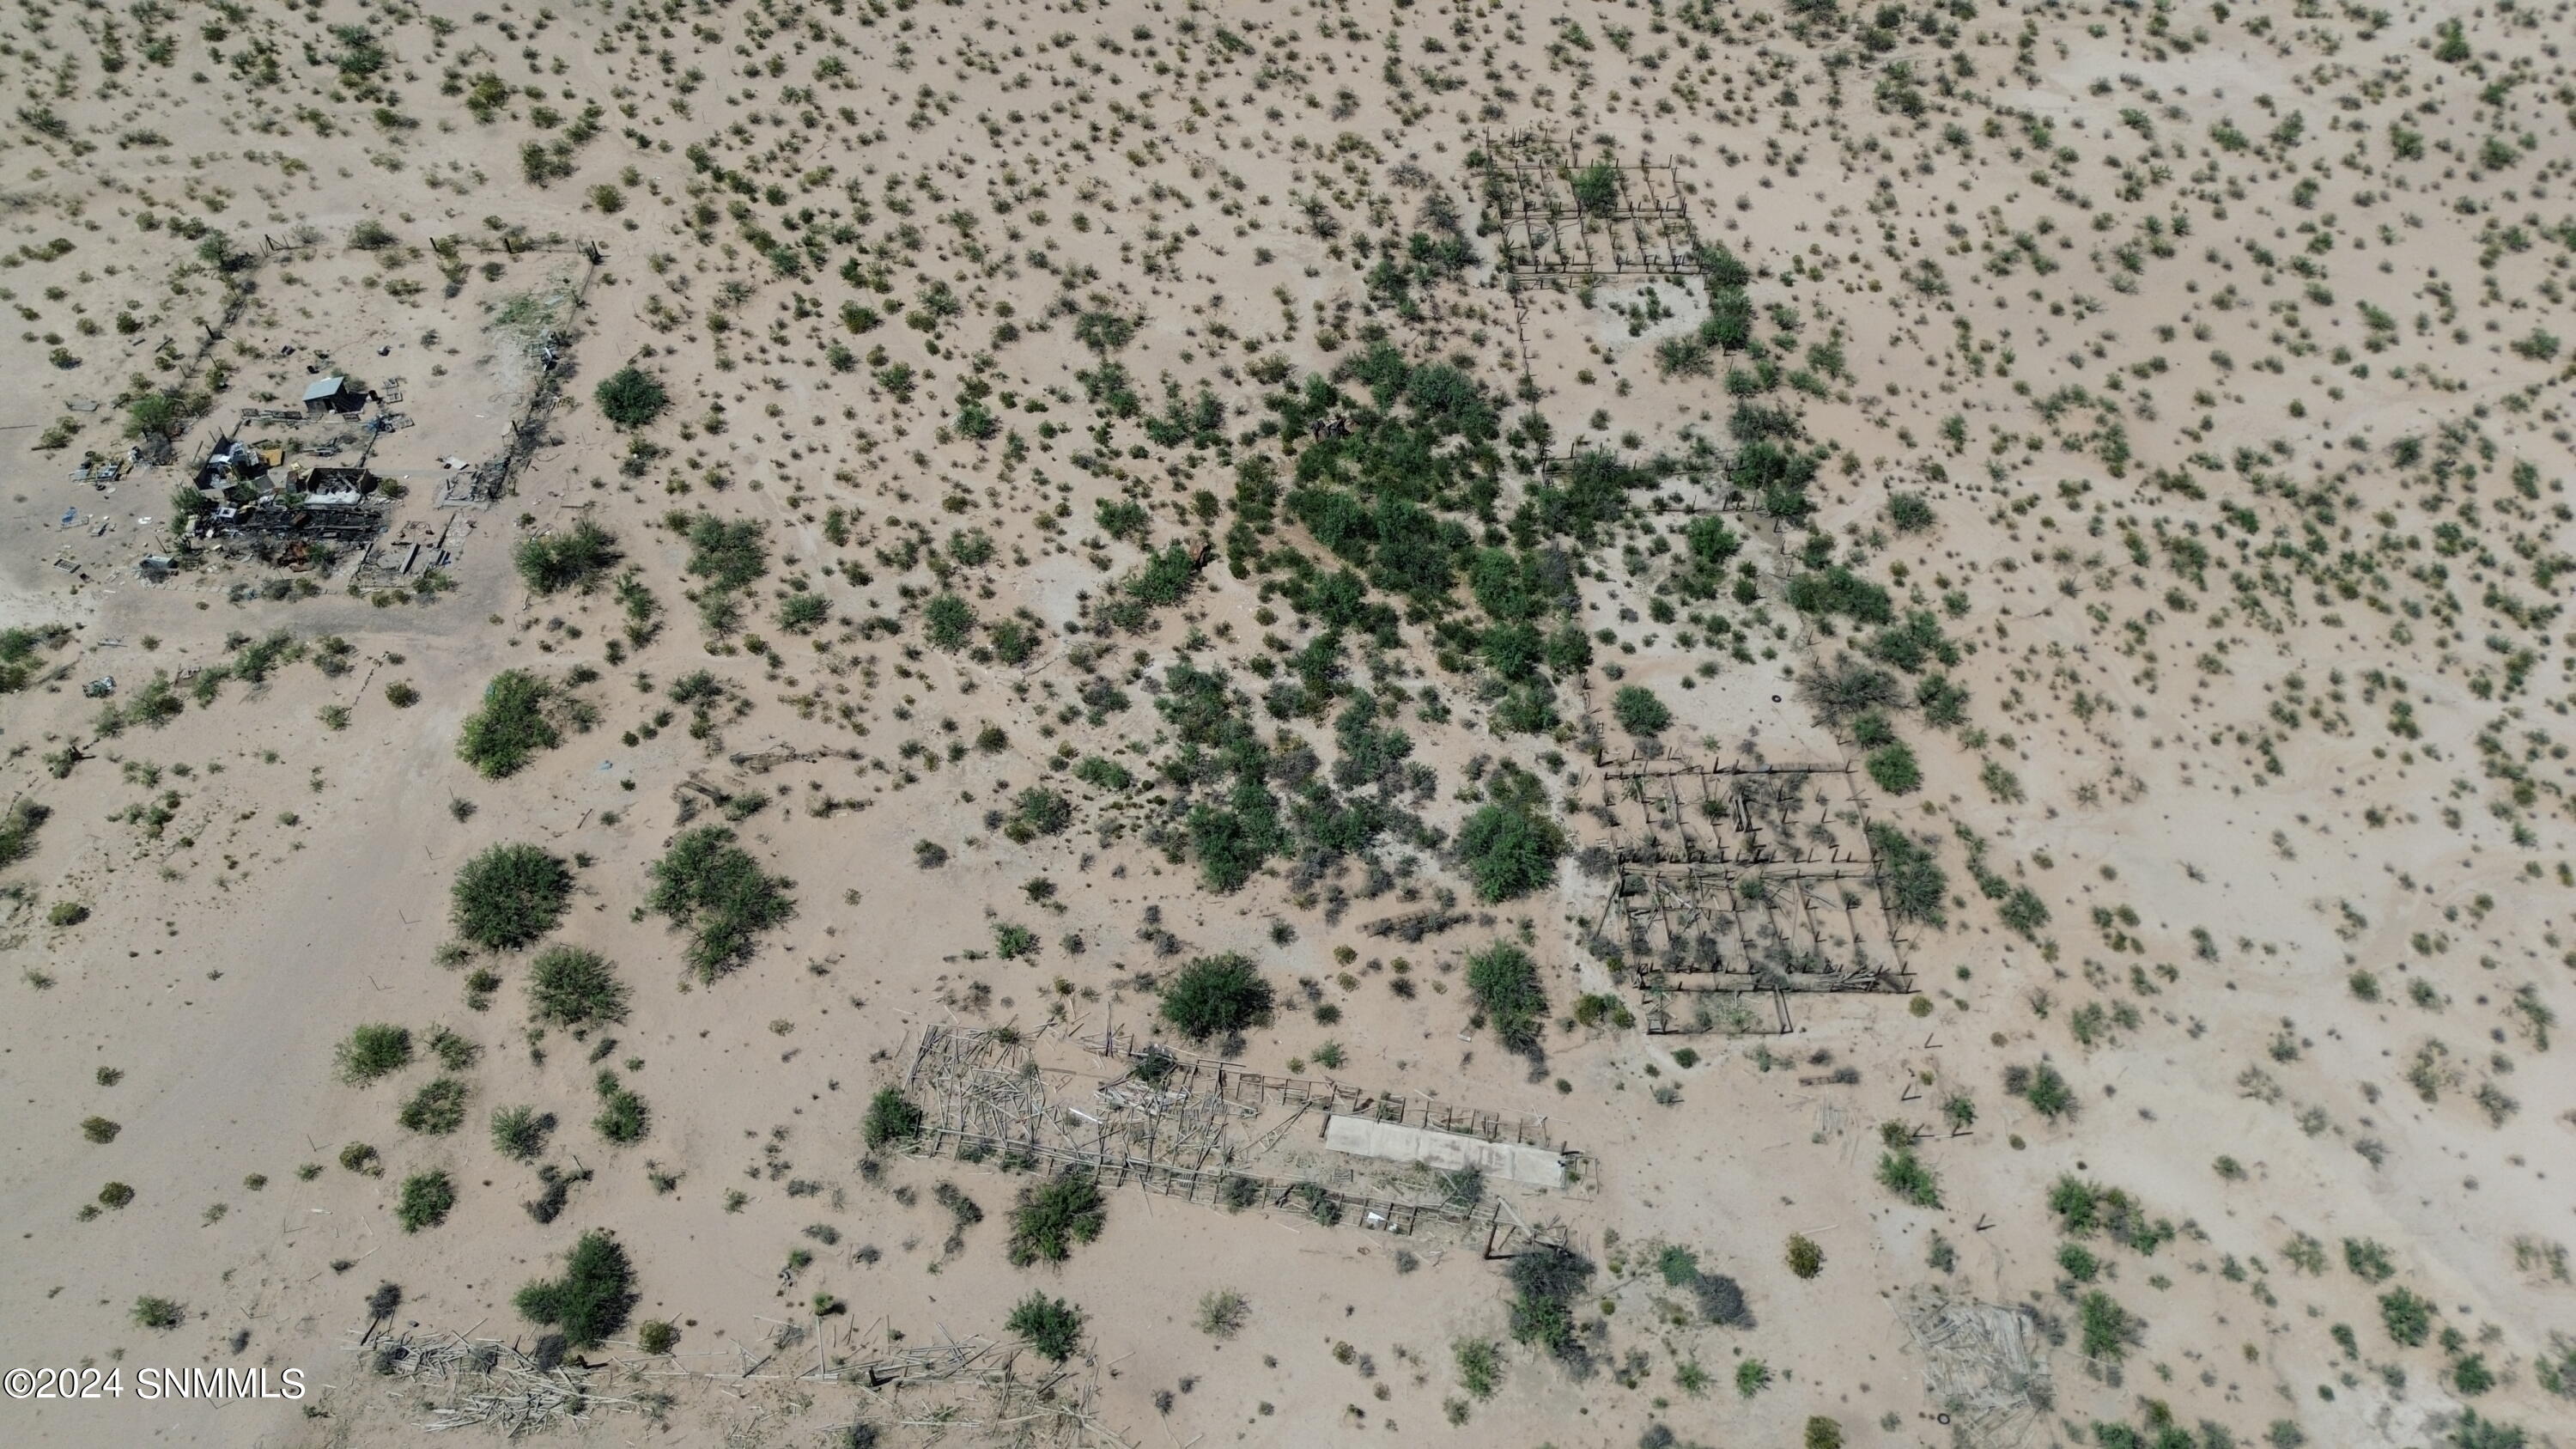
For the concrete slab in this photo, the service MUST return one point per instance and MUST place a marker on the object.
(1447, 1151)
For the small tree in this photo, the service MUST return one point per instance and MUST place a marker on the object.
(1052, 1326)
(592, 1298)
(1217, 994)
(631, 397)
(509, 896)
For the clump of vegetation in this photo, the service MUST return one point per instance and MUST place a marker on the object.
(18, 827)
(2084, 1208)
(1639, 712)
(631, 397)
(1052, 1326)
(1805, 1258)
(511, 728)
(375, 1050)
(712, 887)
(509, 896)
(436, 1109)
(592, 1298)
(426, 1199)
(1504, 982)
(1480, 1366)
(623, 1118)
(893, 1120)
(2044, 1088)
(150, 1312)
(572, 987)
(520, 1133)
(1223, 1312)
(2104, 1327)
(1545, 1287)
(572, 559)
(1217, 996)
(1509, 845)
(1055, 1215)
(1903, 1173)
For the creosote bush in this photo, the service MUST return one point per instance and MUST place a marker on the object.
(592, 1298)
(509, 896)
(426, 1199)
(510, 729)
(892, 1120)
(1503, 979)
(1052, 1326)
(1055, 1215)
(572, 987)
(631, 397)
(1217, 995)
(718, 892)
(375, 1050)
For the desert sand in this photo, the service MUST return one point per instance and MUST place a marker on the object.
(752, 724)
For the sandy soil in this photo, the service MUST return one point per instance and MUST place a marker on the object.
(2221, 348)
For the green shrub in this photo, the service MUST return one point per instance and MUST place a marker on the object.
(727, 553)
(436, 1109)
(1054, 1215)
(1040, 811)
(1480, 1366)
(631, 397)
(1824, 1433)
(115, 1195)
(18, 830)
(1217, 995)
(1909, 512)
(2407, 1315)
(1895, 769)
(623, 1117)
(426, 1199)
(592, 1298)
(67, 913)
(574, 558)
(947, 621)
(1053, 1327)
(1916, 885)
(892, 1120)
(1504, 982)
(1639, 712)
(2048, 1093)
(2105, 1326)
(520, 1132)
(1805, 1258)
(1509, 850)
(714, 888)
(152, 1312)
(1545, 1285)
(509, 896)
(510, 729)
(572, 987)
(375, 1050)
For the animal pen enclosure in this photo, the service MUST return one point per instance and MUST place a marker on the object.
(1559, 218)
(1206, 1132)
(1743, 878)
